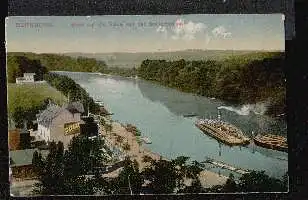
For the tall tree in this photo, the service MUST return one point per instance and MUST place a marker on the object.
(130, 180)
(67, 172)
(230, 185)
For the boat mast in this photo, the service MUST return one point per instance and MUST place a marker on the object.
(218, 114)
(253, 144)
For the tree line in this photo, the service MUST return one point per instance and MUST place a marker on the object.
(241, 79)
(19, 63)
(74, 172)
(22, 62)
(72, 90)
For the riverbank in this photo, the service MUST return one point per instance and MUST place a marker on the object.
(238, 79)
(137, 152)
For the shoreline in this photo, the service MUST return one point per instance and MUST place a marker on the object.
(136, 152)
(276, 116)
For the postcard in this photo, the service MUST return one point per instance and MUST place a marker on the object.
(147, 104)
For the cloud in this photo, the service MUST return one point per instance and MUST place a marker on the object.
(161, 29)
(221, 31)
(186, 31)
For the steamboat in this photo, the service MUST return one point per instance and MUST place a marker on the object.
(222, 131)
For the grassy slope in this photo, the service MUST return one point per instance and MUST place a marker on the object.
(30, 95)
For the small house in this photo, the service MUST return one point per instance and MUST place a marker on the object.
(57, 123)
(27, 78)
(21, 162)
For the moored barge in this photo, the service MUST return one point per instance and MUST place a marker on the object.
(223, 132)
(270, 141)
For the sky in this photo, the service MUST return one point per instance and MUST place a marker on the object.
(144, 33)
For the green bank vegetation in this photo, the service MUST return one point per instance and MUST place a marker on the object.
(241, 79)
(56, 62)
(245, 79)
(74, 91)
(17, 65)
(51, 62)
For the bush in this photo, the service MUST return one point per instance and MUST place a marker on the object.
(126, 147)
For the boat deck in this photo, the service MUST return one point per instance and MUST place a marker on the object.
(274, 142)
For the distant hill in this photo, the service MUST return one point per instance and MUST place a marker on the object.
(130, 60)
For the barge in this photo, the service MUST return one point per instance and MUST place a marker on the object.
(270, 141)
(222, 132)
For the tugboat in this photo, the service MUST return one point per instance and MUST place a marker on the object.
(270, 141)
(222, 131)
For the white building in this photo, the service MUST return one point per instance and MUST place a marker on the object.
(52, 122)
(27, 78)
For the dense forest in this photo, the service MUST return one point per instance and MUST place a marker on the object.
(18, 63)
(244, 79)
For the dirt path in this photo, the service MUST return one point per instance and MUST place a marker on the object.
(22, 188)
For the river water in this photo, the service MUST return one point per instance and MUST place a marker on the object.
(158, 112)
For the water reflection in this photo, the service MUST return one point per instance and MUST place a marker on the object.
(158, 112)
(183, 103)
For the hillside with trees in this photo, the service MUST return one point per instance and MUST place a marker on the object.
(134, 59)
(76, 172)
(72, 90)
(18, 63)
(241, 79)
(245, 79)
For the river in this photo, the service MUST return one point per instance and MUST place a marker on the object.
(158, 112)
